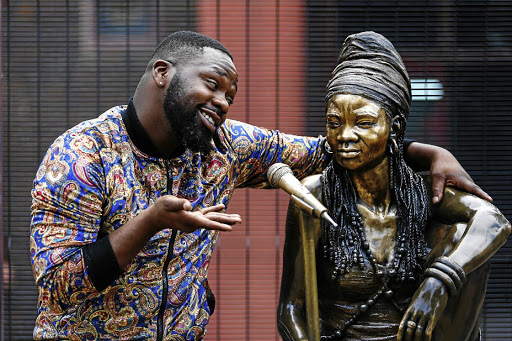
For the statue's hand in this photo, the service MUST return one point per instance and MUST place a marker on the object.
(427, 306)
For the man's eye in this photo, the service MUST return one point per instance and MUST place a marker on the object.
(332, 124)
(213, 84)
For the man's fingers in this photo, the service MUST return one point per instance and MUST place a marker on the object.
(462, 183)
(221, 223)
(213, 221)
(225, 218)
(200, 222)
(220, 227)
(173, 203)
(438, 182)
(179, 215)
(473, 189)
(214, 208)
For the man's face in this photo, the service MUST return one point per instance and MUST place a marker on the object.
(182, 115)
(198, 99)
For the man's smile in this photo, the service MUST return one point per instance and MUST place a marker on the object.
(210, 118)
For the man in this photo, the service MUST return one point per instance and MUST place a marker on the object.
(127, 207)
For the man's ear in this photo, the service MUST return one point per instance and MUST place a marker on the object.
(163, 71)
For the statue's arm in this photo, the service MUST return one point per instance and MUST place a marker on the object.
(486, 230)
(291, 312)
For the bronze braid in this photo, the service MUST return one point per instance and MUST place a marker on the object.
(346, 246)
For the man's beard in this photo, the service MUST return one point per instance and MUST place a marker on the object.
(183, 118)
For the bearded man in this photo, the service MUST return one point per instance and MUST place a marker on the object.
(127, 207)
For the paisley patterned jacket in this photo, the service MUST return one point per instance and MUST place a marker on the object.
(94, 179)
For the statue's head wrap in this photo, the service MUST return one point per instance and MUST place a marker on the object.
(369, 66)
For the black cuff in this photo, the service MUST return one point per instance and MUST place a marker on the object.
(407, 143)
(101, 263)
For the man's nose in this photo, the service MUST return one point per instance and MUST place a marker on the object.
(221, 103)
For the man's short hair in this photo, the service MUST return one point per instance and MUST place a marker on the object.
(181, 46)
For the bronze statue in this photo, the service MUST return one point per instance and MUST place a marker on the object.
(397, 267)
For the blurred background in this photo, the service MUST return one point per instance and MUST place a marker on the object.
(65, 61)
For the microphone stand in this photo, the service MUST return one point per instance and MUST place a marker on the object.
(310, 280)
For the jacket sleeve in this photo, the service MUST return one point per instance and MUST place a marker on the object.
(258, 148)
(67, 199)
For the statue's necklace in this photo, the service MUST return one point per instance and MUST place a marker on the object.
(386, 273)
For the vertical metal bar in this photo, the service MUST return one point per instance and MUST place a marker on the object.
(276, 123)
(188, 15)
(128, 55)
(485, 139)
(455, 77)
(38, 81)
(2, 250)
(247, 197)
(98, 66)
(157, 5)
(217, 20)
(312, 312)
(6, 318)
(218, 303)
(426, 21)
(68, 65)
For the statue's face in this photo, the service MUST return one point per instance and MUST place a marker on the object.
(357, 131)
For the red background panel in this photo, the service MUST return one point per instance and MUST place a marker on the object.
(267, 41)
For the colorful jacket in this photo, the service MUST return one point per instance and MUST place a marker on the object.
(93, 180)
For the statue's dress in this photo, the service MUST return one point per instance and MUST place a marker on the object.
(360, 304)
(364, 305)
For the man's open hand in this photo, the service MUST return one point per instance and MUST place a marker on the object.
(172, 212)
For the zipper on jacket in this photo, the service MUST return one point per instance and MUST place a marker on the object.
(170, 256)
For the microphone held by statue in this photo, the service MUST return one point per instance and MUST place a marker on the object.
(281, 176)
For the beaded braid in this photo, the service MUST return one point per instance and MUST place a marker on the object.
(345, 245)
(410, 195)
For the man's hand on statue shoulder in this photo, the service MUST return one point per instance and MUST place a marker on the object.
(444, 169)
(447, 171)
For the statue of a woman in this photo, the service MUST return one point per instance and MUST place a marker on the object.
(397, 266)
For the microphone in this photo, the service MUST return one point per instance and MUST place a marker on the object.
(281, 176)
